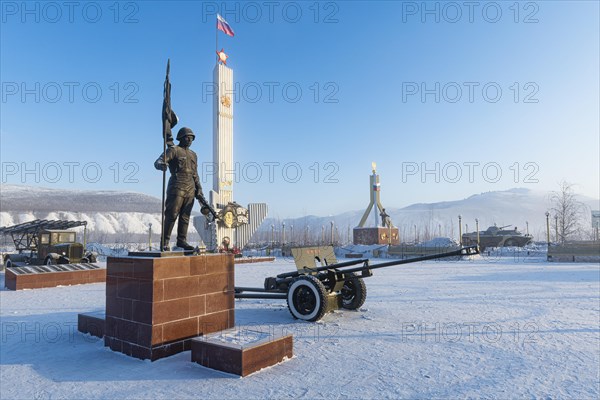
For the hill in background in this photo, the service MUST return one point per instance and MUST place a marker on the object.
(114, 212)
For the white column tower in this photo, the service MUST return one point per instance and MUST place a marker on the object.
(224, 170)
(223, 177)
(223, 135)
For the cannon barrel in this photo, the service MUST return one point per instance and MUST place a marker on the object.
(242, 295)
(464, 251)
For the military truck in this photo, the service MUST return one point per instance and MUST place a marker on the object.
(496, 237)
(46, 242)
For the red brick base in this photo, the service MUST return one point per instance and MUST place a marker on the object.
(241, 359)
(379, 235)
(154, 306)
(92, 323)
(36, 279)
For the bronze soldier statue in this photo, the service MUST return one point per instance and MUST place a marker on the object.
(183, 187)
(385, 219)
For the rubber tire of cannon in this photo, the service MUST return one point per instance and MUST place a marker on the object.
(306, 298)
(354, 293)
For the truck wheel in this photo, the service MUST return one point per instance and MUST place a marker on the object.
(354, 293)
(306, 298)
(49, 261)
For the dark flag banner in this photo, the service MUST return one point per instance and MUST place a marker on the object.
(169, 118)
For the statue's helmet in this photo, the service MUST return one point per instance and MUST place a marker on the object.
(185, 131)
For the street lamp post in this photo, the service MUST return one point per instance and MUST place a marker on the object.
(460, 229)
(322, 234)
(272, 236)
(527, 225)
(548, 231)
(282, 234)
(477, 229)
(332, 225)
(150, 236)
(291, 233)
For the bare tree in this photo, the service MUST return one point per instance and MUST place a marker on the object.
(567, 209)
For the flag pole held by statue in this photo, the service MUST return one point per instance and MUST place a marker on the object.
(169, 120)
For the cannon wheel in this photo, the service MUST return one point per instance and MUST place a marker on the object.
(354, 293)
(306, 298)
(8, 262)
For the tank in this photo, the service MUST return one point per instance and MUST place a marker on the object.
(497, 237)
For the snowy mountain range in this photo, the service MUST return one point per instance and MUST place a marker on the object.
(521, 208)
(114, 212)
(108, 212)
(22, 198)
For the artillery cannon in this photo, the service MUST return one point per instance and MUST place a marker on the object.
(313, 290)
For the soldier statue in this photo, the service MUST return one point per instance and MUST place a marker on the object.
(385, 219)
(183, 187)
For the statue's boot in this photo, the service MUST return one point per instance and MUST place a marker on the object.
(185, 245)
(169, 224)
(182, 225)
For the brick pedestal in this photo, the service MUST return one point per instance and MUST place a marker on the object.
(44, 276)
(379, 235)
(91, 323)
(154, 306)
(241, 352)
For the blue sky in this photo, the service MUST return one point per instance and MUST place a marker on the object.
(449, 99)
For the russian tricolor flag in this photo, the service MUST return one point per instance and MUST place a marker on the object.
(223, 26)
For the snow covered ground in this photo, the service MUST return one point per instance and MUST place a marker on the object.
(495, 328)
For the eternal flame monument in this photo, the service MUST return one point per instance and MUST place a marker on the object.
(384, 233)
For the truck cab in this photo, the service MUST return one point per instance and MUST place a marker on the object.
(59, 246)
